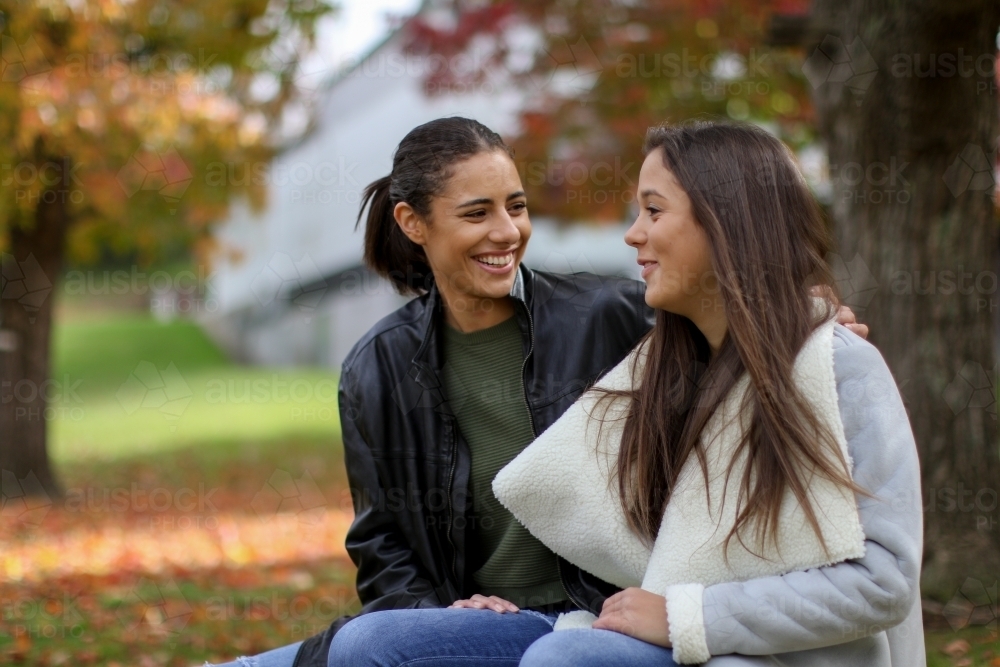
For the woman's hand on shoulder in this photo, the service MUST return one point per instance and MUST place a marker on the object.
(478, 601)
(637, 613)
(845, 316)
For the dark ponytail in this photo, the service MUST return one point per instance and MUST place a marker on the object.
(420, 168)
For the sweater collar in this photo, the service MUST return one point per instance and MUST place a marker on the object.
(429, 358)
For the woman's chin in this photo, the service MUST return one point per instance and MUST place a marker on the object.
(656, 300)
(496, 286)
(659, 302)
(496, 291)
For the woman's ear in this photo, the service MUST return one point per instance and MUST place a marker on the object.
(412, 224)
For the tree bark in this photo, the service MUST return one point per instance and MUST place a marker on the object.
(27, 401)
(912, 151)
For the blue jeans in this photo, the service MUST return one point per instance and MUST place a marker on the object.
(431, 637)
(279, 657)
(586, 647)
(483, 638)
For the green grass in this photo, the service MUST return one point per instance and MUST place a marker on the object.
(108, 403)
(102, 352)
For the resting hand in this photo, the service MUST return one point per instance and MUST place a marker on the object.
(478, 601)
(845, 316)
(636, 613)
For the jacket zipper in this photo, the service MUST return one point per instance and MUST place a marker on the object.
(524, 365)
(451, 511)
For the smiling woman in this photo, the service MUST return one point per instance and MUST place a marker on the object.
(452, 213)
(474, 242)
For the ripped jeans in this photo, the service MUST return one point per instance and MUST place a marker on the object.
(279, 657)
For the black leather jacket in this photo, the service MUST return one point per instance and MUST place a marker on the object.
(407, 462)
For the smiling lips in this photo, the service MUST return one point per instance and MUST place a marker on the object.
(647, 266)
(496, 262)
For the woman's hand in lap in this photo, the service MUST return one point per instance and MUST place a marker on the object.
(636, 613)
(478, 601)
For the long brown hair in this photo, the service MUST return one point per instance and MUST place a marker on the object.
(768, 242)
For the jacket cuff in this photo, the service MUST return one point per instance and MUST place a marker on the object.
(687, 623)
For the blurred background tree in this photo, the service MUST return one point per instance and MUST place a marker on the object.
(105, 108)
(600, 73)
(916, 108)
(902, 97)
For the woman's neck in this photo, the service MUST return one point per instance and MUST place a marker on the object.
(713, 325)
(468, 314)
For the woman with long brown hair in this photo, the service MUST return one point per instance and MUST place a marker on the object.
(751, 483)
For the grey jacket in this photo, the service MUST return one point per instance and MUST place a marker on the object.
(873, 601)
(863, 610)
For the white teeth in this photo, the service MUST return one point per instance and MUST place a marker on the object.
(495, 260)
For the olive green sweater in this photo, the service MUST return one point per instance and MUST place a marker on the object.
(482, 376)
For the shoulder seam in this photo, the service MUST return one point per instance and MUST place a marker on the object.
(364, 344)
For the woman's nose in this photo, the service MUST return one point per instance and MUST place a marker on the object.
(505, 231)
(634, 236)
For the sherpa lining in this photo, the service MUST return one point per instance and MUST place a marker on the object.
(558, 488)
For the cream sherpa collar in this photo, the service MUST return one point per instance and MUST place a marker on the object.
(558, 488)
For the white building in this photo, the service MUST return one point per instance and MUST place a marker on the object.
(298, 293)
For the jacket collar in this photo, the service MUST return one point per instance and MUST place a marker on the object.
(428, 360)
(518, 289)
(558, 487)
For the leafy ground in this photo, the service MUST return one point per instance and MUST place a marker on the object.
(975, 646)
(205, 509)
(98, 580)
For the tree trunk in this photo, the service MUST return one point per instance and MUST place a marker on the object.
(27, 400)
(912, 141)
